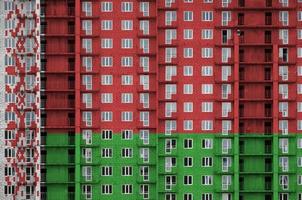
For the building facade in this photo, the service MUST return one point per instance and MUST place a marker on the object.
(151, 99)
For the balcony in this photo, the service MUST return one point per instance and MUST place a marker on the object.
(71, 121)
(71, 159)
(71, 177)
(71, 195)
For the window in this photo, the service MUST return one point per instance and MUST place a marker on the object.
(188, 71)
(87, 81)
(226, 182)
(170, 16)
(106, 97)
(170, 162)
(299, 143)
(144, 81)
(299, 70)
(299, 161)
(283, 17)
(127, 7)
(11, 98)
(10, 80)
(144, 45)
(188, 143)
(87, 8)
(208, 196)
(170, 53)
(127, 98)
(188, 125)
(127, 79)
(126, 116)
(106, 6)
(9, 152)
(207, 52)
(207, 143)
(87, 26)
(299, 124)
(188, 88)
(106, 61)
(188, 52)
(188, 16)
(106, 25)
(127, 61)
(106, 79)
(299, 106)
(299, 179)
(299, 34)
(144, 136)
(206, 125)
(9, 171)
(283, 35)
(284, 181)
(283, 196)
(87, 136)
(226, 89)
(299, 15)
(144, 26)
(188, 34)
(188, 196)
(170, 72)
(188, 106)
(144, 154)
(225, 54)
(226, 17)
(188, 180)
(10, 117)
(127, 153)
(188, 161)
(106, 153)
(207, 180)
(106, 189)
(144, 172)
(9, 134)
(206, 71)
(127, 25)
(87, 100)
(87, 173)
(207, 88)
(106, 134)
(87, 63)
(207, 16)
(10, 42)
(299, 52)
(226, 163)
(170, 34)
(106, 116)
(127, 134)
(87, 118)
(127, 171)
(207, 34)
(206, 161)
(207, 107)
(87, 155)
(144, 8)
(127, 44)
(107, 43)
(226, 145)
(106, 171)
(9, 5)
(9, 189)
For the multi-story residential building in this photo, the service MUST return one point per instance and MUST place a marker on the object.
(151, 99)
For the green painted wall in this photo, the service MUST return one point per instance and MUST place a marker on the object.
(253, 177)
